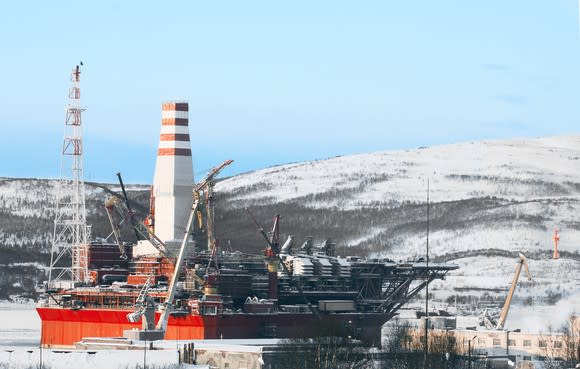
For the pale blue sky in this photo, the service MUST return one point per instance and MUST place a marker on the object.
(271, 83)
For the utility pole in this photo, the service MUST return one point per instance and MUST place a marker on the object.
(469, 349)
(469, 352)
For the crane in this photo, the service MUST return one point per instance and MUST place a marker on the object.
(273, 259)
(206, 184)
(123, 209)
(161, 326)
(506, 306)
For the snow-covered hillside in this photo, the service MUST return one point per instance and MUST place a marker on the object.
(27, 206)
(518, 169)
(533, 184)
(489, 201)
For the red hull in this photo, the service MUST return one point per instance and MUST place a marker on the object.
(65, 327)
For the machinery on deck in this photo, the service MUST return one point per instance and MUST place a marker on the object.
(123, 208)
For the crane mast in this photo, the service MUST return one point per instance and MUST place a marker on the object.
(161, 326)
(206, 183)
(506, 307)
(159, 332)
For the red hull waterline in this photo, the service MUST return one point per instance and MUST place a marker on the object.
(64, 327)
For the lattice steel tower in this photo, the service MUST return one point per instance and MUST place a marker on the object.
(68, 260)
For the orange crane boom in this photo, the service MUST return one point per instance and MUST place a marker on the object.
(508, 300)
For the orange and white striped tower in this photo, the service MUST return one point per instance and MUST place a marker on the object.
(556, 239)
(173, 180)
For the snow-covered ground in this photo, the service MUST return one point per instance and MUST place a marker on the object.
(546, 301)
(19, 325)
(543, 318)
(79, 359)
(20, 338)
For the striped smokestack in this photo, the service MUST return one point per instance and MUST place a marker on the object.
(173, 180)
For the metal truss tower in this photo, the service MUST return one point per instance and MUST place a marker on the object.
(68, 262)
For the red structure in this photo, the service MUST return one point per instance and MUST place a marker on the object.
(239, 302)
(556, 239)
(62, 328)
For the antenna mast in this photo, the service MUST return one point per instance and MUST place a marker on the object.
(68, 261)
(426, 357)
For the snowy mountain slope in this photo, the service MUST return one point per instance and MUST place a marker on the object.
(517, 169)
(489, 193)
(489, 201)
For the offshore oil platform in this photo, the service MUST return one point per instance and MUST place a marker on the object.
(161, 287)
